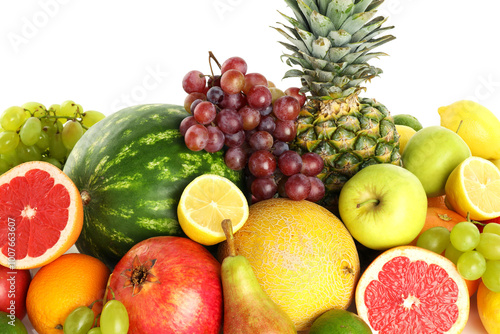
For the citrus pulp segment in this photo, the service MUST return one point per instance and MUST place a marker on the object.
(205, 203)
(41, 215)
(474, 187)
(412, 290)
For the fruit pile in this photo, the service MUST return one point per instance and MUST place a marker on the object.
(32, 132)
(345, 203)
(255, 122)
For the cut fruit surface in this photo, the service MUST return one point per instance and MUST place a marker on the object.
(474, 187)
(412, 290)
(205, 203)
(41, 215)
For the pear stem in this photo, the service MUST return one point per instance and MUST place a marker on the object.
(376, 201)
(227, 227)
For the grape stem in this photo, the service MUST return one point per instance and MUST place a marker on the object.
(210, 57)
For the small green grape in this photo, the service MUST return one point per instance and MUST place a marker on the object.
(53, 161)
(79, 321)
(434, 239)
(491, 276)
(8, 141)
(68, 109)
(35, 109)
(95, 330)
(71, 134)
(12, 118)
(492, 228)
(30, 131)
(57, 150)
(471, 265)
(489, 246)
(28, 153)
(90, 117)
(464, 236)
(114, 318)
(452, 254)
(4, 166)
(43, 140)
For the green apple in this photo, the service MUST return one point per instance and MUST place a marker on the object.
(9, 324)
(432, 154)
(383, 206)
(339, 321)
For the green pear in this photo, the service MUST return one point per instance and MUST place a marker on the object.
(247, 308)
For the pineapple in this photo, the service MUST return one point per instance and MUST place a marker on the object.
(332, 40)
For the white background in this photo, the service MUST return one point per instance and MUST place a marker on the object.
(106, 55)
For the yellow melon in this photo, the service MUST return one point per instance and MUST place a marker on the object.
(303, 257)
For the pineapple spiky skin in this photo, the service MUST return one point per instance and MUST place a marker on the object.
(332, 40)
(349, 134)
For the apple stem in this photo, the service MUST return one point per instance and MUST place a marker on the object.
(227, 227)
(459, 125)
(376, 201)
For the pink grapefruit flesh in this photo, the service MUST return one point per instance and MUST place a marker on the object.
(40, 215)
(411, 290)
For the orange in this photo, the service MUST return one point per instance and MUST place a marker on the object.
(437, 202)
(409, 289)
(61, 286)
(488, 306)
(41, 215)
(302, 255)
(439, 217)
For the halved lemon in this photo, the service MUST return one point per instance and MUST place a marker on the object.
(474, 187)
(205, 203)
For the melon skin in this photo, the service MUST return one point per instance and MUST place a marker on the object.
(131, 169)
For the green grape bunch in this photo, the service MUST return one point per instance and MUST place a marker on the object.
(32, 132)
(475, 253)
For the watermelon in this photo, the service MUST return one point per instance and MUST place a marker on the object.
(131, 169)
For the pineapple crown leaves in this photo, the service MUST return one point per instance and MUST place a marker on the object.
(332, 41)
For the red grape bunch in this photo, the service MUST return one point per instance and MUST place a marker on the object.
(253, 121)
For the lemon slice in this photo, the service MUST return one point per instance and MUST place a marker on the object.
(205, 203)
(474, 187)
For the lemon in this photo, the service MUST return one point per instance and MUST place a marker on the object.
(405, 133)
(205, 203)
(474, 187)
(488, 304)
(480, 128)
(496, 162)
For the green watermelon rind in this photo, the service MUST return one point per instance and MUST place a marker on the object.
(134, 165)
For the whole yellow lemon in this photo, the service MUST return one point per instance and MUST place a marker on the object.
(477, 126)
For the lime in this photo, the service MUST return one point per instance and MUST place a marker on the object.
(408, 120)
(11, 326)
(339, 321)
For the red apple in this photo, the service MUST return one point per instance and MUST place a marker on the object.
(169, 285)
(14, 285)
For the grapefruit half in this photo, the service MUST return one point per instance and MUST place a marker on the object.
(412, 290)
(41, 215)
